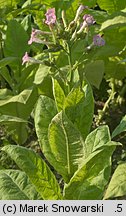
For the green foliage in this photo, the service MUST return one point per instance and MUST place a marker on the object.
(16, 40)
(96, 139)
(58, 95)
(111, 5)
(55, 88)
(116, 187)
(117, 21)
(19, 106)
(120, 128)
(79, 106)
(36, 169)
(90, 180)
(15, 185)
(66, 145)
(94, 72)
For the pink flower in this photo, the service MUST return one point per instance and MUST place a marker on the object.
(98, 40)
(50, 16)
(34, 37)
(25, 58)
(89, 19)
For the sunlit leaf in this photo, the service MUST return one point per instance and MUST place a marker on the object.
(117, 185)
(36, 169)
(120, 128)
(15, 185)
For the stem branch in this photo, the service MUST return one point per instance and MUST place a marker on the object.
(111, 96)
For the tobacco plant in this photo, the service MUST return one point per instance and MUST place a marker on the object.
(57, 83)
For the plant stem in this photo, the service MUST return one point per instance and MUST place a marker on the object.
(111, 96)
(70, 63)
(53, 34)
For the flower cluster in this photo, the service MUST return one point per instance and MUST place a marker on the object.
(88, 20)
(73, 31)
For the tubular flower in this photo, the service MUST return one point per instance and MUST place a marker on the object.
(98, 40)
(88, 20)
(34, 37)
(50, 16)
(27, 58)
(79, 11)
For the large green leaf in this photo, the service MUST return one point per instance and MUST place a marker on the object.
(120, 128)
(111, 5)
(89, 182)
(16, 40)
(94, 72)
(79, 107)
(114, 22)
(66, 144)
(117, 185)
(96, 139)
(8, 118)
(15, 185)
(45, 110)
(58, 95)
(37, 170)
(7, 61)
(7, 77)
(41, 74)
(43, 80)
(19, 106)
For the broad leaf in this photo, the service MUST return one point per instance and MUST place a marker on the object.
(43, 81)
(120, 128)
(41, 74)
(114, 22)
(19, 106)
(117, 185)
(94, 72)
(111, 5)
(15, 185)
(7, 77)
(89, 182)
(37, 170)
(96, 139)
(16, 40)
(7, 61)
(66, 145)
(45, 110)
(58, 95)
(79, 107)
(7, 118)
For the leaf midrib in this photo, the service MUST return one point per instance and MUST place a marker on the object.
(15, 183)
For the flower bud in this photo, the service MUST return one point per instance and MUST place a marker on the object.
(79, 12)
(89, 19)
